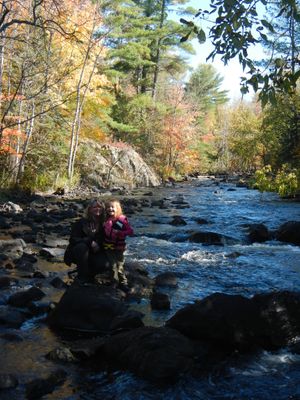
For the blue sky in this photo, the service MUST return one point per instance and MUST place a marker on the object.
(231, 72)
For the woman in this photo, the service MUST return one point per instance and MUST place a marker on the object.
(85, 247)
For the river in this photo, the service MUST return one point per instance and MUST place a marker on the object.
(237, 267)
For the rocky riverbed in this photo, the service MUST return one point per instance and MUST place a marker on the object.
(52, 330)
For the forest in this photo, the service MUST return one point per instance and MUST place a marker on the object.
(116, 72)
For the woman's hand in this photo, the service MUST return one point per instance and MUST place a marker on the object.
(94, 246)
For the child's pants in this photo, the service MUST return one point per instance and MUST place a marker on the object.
(116, 260)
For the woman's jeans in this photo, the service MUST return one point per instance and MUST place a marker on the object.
(88, 262)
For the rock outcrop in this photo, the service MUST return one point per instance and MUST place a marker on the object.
(115, 166)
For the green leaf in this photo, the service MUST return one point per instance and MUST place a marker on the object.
(184, 21)
(267, 25)
(201, 36)
(185, 38)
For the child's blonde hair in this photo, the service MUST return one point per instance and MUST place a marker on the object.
(117, 205)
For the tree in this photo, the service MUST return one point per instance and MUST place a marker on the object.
(203, 89)
(143, 42)
(244, 138)
(235, 26)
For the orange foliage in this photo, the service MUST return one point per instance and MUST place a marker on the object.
(9, 140)
(12, 132)
(208, 138)
(177, 134)
(9, 97)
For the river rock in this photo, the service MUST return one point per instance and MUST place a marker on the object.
(258, 233)
(58, 283)
(289, 232)
(211, 238)
(24, 297)
(177, 221)
(8, 381)
(13, 248)
(26, 263)
(11, 208)
(52, 253)
(88, 308)
(7, 281)
(4, 224)
(232, 322)
(11, 317)
(166, 279)
(41, 386)
(156, 354)
(225, 320)
(160, 301)
(63, 354)
(279, 318)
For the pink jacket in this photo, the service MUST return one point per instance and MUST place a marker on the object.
(115, 232)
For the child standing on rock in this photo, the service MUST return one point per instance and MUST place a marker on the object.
(116, 228)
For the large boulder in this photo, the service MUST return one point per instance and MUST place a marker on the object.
(233, 322)
(279, 314)
(225, 320)
(289, 232)
(116, 165)
(93, 308)
(157, 354)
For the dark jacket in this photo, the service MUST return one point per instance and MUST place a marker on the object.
(81, 232)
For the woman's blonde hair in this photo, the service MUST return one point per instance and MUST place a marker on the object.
(117, 205)
(91, 204)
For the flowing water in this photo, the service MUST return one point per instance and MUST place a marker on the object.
(237, 267)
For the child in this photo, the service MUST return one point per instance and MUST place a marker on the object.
(116, 228)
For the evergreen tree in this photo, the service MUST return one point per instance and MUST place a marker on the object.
(204, 90)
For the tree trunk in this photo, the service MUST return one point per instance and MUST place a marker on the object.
(157, 56)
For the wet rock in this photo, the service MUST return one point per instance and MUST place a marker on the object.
(177, 221)
(41, 274)
(225, 320)
(201, 221)
(130, 320)
(138, 280)
(289, 232)
(166, 279)
(234, 254)
(26, 263)
(7, 281)
(4, 224)
(160, 301)
(39, 387)
(8, 381)
(210, 238)
(156, 354)
(50, 253)
(13, 248)
(87, 308)
(258, 233)
(12, 318)
(23, 298)
(62, 354)
(279, 315)
(231, 322)
(58, 283)
(38, 308)
(11, 208)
